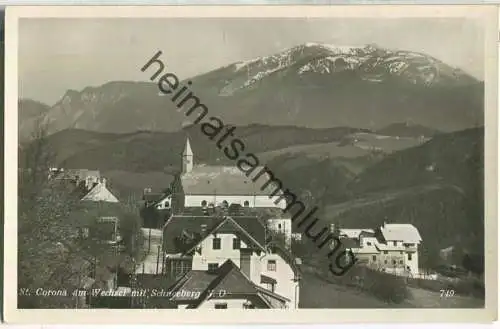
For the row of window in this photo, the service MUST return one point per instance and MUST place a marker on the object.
(221, 306)
(386, 262)
(271, 266)
(216, 243)
(374, 258)
(386, 252)
(393, 242)
(225, 204)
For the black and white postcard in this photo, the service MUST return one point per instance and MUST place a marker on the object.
(334, 162)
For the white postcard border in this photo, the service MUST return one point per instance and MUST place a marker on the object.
(487, 13)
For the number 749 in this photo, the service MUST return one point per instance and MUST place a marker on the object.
(447, 293)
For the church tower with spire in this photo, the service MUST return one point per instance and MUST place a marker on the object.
(187, 158)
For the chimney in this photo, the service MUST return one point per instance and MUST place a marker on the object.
(103, 181)
(77, 180)
(246, 262)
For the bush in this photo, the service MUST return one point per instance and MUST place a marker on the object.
(387, 287)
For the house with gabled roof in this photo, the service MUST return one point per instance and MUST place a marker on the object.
(224, 287)
(204, 243)
(391, 248)
(100, 192)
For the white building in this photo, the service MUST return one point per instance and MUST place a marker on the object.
(392, 248)
(100, 192)
(197, 245)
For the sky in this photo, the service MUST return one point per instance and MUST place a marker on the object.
(58, 54)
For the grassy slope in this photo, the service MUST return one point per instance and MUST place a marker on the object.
(153, 151)
(318, 293)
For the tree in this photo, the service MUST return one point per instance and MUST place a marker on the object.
(52, 251)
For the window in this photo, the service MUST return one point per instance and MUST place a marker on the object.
(271, 265)
(400, 252)
(368, 243)
(374, 257)
(385, 261)
(225, 204)
(409, 256)
(394, 243)
(216, 243)
(279, 227)
(204, 203)
(246, 204)
(220, 306)
(385, 252)
(236, 243)
(85, 232)
(180, 267)
(401, 262)
(212, 266)
(393, 262)
(248, 305)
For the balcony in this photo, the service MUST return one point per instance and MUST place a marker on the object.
(411, 248)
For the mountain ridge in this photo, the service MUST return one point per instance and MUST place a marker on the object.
(312, 85)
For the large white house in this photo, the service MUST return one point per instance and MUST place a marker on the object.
(208, 248)
(392, 248)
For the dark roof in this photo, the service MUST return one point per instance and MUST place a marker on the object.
(225, 282)
(154, 281)
(153, 197)
(196, 228)
(349, 243)
(266, 279)
(188, 225)
(248, 229)
(367, 234)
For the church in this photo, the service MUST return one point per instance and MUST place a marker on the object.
(213, 186)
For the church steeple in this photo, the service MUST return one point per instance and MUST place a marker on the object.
(187, 158)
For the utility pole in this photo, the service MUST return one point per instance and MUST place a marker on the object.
(116, 252)
(157, 260)
(149, 241)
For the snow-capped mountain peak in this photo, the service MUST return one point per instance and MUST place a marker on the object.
(370, 62)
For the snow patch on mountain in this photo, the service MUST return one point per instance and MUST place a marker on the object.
(336, 49)
(372, 63)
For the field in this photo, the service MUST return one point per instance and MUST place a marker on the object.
(316, 292)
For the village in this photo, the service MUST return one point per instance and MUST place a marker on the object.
(214, 230)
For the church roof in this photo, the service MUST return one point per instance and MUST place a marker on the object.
(187, 148)
(224, 180)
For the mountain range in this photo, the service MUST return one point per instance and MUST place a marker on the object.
(310, 85)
